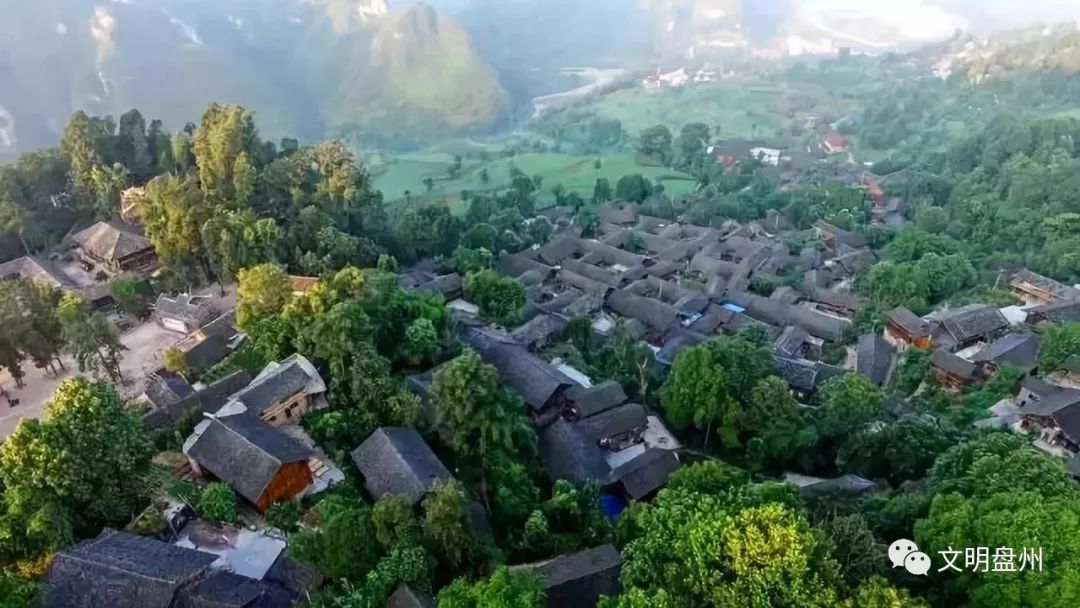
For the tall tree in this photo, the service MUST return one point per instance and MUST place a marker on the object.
(848, 402)
(84, 457)
(655, 143)
(711, 551)
(505, 588)
(79, 146)
(695, 393)
(238, 239)
(224, 133)
(264, 291)
(174, 213)
(499, 298)
(89, 337)
(481, 418)
(134, 145)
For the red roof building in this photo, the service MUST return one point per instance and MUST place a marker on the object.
(834, 143)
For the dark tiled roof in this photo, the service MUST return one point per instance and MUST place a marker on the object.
(775, 312)
(597, 399)
(613, 422)
(534, 379)
(539, 330)
(654, 313)
(873, 358)
(648, 472)
(209, 398)
(280, 384)
(1017, 350)
(974, 321)
(515, 264)
(607, 276)
(1063, 311)
(948, 362)
(228, 590)
(112, 241)
(120, 570)
(558, 249)
(791, 342)
(906, 319)
(245, 452)
(447, 285)
(799, 373)
(1048, 398)
(397, 461)
(579, 580)
(192, 310)
(208, 353)
(570, 453)
(164, 388)
(677, 340)
(1058, 289)
(405, 596)
(38, 271)
(1068, 420)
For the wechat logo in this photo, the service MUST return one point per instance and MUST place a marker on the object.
(905, 554)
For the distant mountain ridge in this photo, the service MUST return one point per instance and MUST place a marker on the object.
(356, 68)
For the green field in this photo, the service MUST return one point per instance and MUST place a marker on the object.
(399, 174)
(733, 112)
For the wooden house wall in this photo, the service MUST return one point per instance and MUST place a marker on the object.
(291, 409)
(290, 480)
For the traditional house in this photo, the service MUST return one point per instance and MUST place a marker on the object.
(37, 271)
(874, 358)
(207, 399)
(541, 386)
(121, 570)
(580, 579)
(396, 461)
(260, 462)
(449, 286)
(613, 448)
(965, 326)
(585, 402)
(903, 329)
(1015, 350)
(1034, 288)
(116, 247)
(164, 388)
(952, 372)
(1061, 311)
(1053, 410)
(183, 313)
(282, 393)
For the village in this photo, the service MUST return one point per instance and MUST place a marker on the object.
(667, 284)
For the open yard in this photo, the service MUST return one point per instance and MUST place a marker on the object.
(144, 344)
